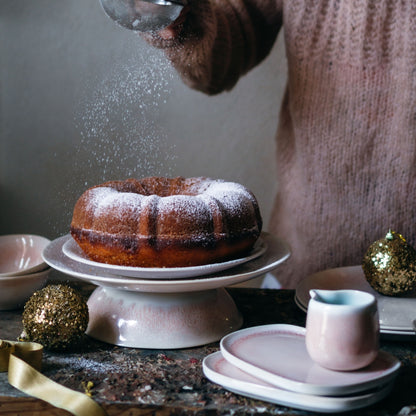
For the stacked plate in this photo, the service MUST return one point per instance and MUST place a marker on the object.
(72, 250)
(271, 363)
(22, 268)
(64, 255)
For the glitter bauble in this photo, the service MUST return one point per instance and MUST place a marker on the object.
(56, 317)
(389, 265)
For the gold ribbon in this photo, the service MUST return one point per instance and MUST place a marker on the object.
(23, 362)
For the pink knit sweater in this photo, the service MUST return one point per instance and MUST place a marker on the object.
(346, 142)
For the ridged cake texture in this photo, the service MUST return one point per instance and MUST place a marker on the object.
(166, 222)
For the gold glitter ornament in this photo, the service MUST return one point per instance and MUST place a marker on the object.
(56, 317)
(389, 265)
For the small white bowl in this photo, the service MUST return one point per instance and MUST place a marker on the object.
(16, 290)
(21, 254)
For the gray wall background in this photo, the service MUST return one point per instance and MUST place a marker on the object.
(84, 101)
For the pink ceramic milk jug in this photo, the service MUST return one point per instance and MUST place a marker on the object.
(342, 329)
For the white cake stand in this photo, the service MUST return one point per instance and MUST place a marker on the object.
(163, 313)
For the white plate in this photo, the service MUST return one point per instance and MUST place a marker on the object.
(276, 253)
(74, 252)
(396, 313)
(217, 369)
(278, 355)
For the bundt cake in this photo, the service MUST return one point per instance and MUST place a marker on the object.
(166, 222)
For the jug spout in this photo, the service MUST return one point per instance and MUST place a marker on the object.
(320, 295)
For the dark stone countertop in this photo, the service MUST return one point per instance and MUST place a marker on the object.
(141, 381)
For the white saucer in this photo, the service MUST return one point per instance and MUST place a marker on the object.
(396, 313)
(74, 252)
(277, 353)
(276, 253)
(217, 369)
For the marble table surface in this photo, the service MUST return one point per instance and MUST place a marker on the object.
(128, 381)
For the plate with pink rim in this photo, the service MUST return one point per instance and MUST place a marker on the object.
(72, 250)
(396, 313)
(277, 354)
(217, 369)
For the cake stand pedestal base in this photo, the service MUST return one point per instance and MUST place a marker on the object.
(161, 320)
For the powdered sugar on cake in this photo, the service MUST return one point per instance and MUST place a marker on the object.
(192, 221)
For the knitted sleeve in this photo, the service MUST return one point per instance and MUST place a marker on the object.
(220, 40)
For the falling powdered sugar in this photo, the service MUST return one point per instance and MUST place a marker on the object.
(121, 131)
